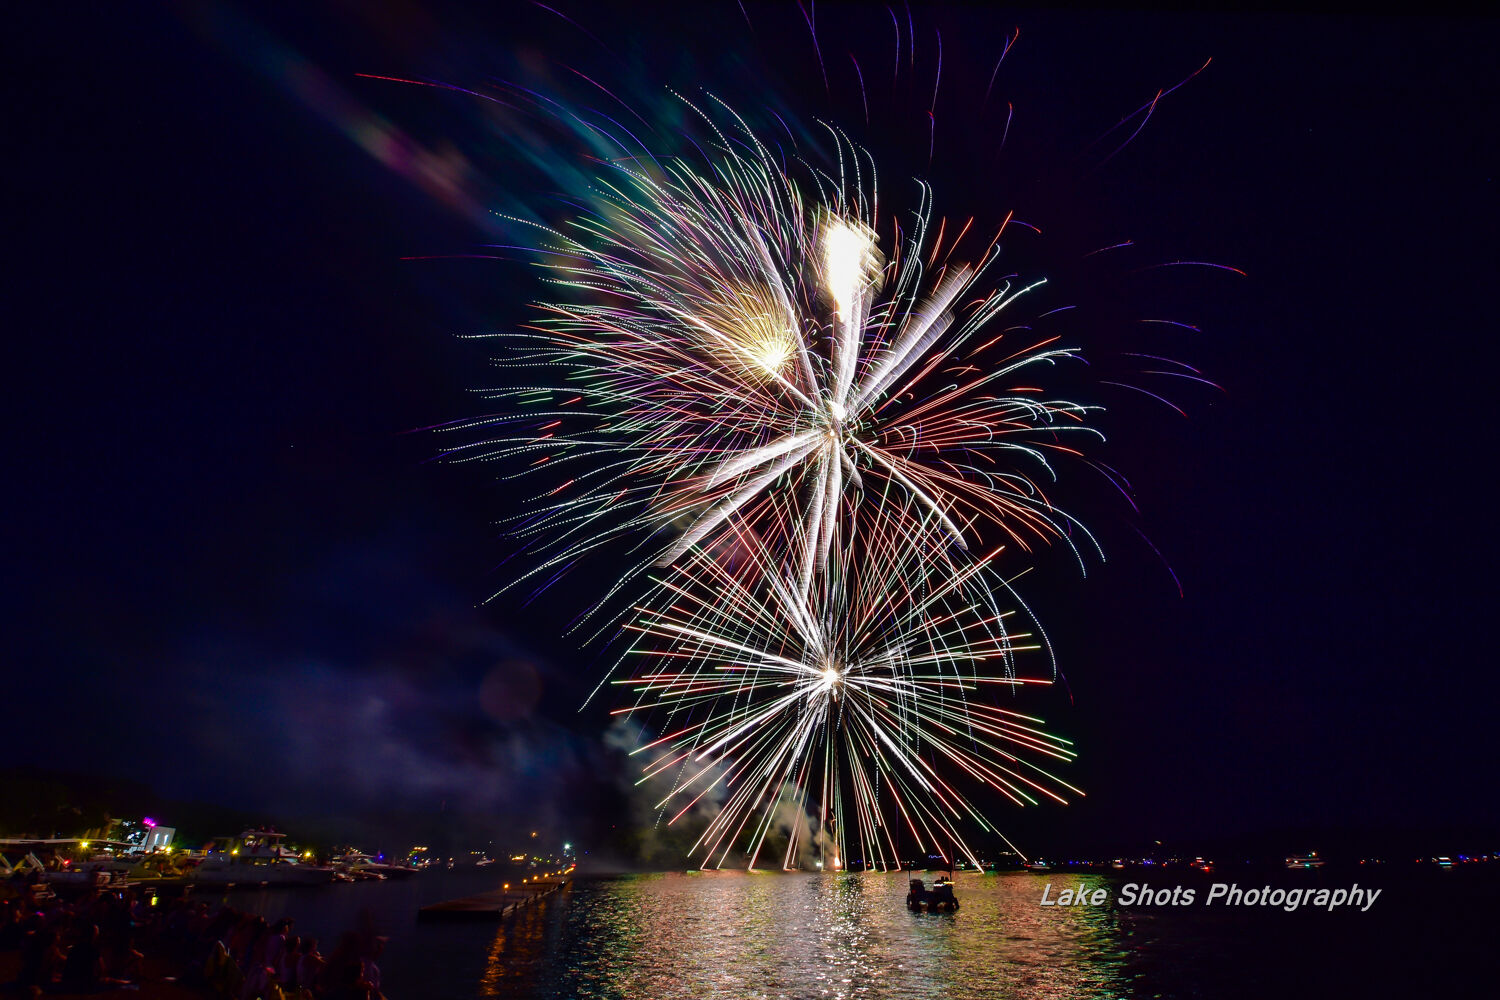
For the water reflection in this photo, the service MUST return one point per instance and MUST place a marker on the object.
(737, 935)
(516, 955)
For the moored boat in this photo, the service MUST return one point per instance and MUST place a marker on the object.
(73, 862)
(257, 857)
(362, 866)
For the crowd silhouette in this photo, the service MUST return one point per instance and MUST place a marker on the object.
(114, 940)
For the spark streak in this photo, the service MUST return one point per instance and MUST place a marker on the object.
(737, 350)
(855, 707)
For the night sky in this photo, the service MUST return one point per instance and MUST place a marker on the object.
(234, 572)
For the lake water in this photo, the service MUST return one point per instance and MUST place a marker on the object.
(737, 936)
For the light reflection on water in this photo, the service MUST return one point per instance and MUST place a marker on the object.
(736, 935)
(662, 937)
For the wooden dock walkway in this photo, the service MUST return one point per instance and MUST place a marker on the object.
(497, 904)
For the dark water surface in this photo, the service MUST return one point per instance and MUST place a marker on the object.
(734, 935)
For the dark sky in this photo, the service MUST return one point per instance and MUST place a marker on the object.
(232, 573)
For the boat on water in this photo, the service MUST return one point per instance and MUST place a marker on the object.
(257, 857)
(1308, 860)
(73, 862)
(362, 866)
(938, 899)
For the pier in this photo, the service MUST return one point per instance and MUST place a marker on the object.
(497, 904)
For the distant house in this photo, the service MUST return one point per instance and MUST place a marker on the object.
(158, 838)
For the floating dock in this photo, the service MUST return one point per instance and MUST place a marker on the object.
(497, 904)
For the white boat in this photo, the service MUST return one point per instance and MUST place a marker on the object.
(363, 866)
(257, 857)
(74, 861)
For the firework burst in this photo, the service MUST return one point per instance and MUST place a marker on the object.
(851, 717)
(733, 352)
(815, 428)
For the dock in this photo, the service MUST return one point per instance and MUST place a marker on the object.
(497, 904)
